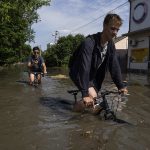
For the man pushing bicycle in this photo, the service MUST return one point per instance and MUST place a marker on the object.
(37, 65)
(94, 56)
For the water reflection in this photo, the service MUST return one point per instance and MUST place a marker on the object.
(42, 118)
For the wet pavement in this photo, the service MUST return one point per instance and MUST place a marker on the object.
(42, 118)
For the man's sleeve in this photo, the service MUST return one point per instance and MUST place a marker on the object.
(85, 65)
(29, 59)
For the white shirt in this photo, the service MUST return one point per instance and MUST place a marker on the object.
(104, 51)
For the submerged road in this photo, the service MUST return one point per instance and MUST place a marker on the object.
(42, 118)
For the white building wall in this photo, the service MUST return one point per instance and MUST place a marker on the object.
(122, 44)
(138, 49)
(137, 11)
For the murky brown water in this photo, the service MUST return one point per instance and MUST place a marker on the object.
(42, 118)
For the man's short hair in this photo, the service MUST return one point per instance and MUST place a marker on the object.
(36, 48)
(112, 17)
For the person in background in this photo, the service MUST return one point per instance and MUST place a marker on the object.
(95, 55)
(36, 64)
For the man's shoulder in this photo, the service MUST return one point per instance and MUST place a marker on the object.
(91, 38)
(95, 35)
(40, 58)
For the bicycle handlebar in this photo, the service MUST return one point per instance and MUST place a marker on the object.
(73, 91)
(104, 93)
(101, 104)
(37, 72)
(41, 73)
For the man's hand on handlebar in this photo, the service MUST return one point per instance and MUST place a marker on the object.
(124, 91)
(44, 74)
(88, 101)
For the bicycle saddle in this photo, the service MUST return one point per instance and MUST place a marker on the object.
(74, 92)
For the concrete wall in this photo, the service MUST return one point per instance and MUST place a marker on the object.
(138, 52)
(139, 33)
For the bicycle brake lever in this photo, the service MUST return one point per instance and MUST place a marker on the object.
(126, 94)
(42, 74)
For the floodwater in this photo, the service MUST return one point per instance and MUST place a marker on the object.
(42, 118)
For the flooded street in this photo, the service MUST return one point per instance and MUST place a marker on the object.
(42, 118)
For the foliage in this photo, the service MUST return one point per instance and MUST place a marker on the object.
(16, 19)
(59, 54)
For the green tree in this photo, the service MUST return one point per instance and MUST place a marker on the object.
(61, 51)
(16, 19)
(50, 56)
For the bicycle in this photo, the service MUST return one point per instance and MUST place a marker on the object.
(106, 110)
(36, 82)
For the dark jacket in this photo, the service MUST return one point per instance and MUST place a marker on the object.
(88, 66)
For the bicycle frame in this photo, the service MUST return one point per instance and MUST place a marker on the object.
(36, 74)
(108, 113)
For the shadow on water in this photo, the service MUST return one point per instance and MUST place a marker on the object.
(42, 118)
(22, 81)
(120, 121)
(62, 106)
(56, 104)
